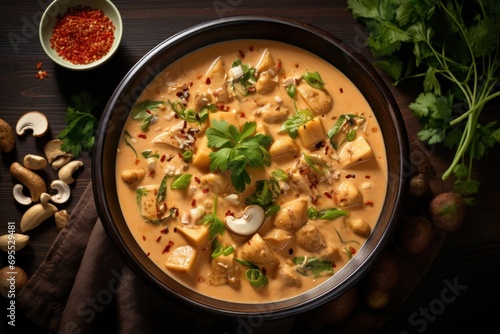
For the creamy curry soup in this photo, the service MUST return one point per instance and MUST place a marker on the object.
(251, 171)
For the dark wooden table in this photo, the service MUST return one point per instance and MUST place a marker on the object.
(460, 289)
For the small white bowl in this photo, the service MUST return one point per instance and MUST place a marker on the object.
(59, 7)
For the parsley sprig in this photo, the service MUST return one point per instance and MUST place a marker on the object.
(454, 47)
(79, 135)
(236, 150)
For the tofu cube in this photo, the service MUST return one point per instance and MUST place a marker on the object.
(182, 260)
(355, 152)
(312, 132)
(196, 235)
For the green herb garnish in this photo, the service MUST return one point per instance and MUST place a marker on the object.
(345, 121)
(181, 182)
(300, 118)
(453, 47)
(266, 194)
(326, 214)
(125, 136)
(79, 134)
(253, 275)
(144, 111)
(215, 224)
(313, 79)
(149, 154)
(236, 150)
(244, 84)
(312, 265)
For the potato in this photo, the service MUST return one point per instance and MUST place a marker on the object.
(12, 280)
(339, 309)
(377, 299)
(447, 211)
(415, 235)
(7, 138)
(419, 186)
(385, 274)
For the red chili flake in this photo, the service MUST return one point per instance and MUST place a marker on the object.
(278, 66)
(297, 65)
(151, 173)
(369, 203)
(349, 176)
(341, 90)
(158, 238)
(142, 135)
(327, 194)
(163, 157)
(374, 130)
(208, 81)
(82, 35)
(205, 190)
(41, 75)
(201, 279)
(242, 114)
(352, 250)
(148, 253)
(229, 213)
(164, 231)
(175, 229)
(314, 199)
(242, 54)
(251, 48)
(39, 65)
(144, 238)
(170, 158)
(290, 251)
(193, 202)
(367, 177)
(197, 179)
(327, 148)
(221, 107)
(137, 161)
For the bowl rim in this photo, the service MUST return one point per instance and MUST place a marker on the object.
(58, 7)
(280, 309)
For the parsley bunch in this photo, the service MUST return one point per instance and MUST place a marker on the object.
(236, 150)
(453, 47)
(79, 135)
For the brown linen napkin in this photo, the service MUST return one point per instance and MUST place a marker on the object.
(83, 286)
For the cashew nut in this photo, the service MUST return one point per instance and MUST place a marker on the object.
(34, 162)
(248, 223)
(31, 180)
(63, 191)
(20, 198)
(19, 241)
(35, 215)
(61, 217)
(34, 120)
(66, 172)
(130, 176)
(44, 198)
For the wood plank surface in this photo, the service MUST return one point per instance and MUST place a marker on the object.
(468, 259)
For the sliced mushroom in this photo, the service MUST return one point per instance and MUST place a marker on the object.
(63, 192)
(33, 120)
(248, 223)
(20, 198)
(66, 172)
(53, 150)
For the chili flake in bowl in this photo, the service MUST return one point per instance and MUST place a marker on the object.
(80, 36)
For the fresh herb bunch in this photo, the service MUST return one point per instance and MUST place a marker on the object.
(453, 47)
(79, 135)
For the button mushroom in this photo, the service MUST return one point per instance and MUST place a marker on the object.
(248, 223)
(33, 120)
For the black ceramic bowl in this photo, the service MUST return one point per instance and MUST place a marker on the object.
(350, 62)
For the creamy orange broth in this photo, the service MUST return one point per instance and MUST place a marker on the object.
(189, 74)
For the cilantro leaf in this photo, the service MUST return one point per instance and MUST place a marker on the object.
(235, 150)
(79, 134)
